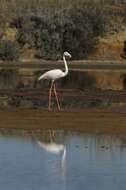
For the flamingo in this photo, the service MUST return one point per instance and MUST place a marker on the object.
(54, 75)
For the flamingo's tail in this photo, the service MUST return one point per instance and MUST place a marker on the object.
(41, 77)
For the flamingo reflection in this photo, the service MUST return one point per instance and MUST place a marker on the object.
(55, 148)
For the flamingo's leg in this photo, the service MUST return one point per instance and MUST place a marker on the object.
(57, 99)
(50, 95)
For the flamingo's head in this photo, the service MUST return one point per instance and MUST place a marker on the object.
(67, 54)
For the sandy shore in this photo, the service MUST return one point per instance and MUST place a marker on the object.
(86, 120)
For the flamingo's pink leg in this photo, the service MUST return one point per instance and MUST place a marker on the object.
(50, 95)
(58, 104)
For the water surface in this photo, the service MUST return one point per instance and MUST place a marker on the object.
(60, 160)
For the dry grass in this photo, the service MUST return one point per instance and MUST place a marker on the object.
(110, 47)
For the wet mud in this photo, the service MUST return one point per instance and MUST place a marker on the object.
(86, 120)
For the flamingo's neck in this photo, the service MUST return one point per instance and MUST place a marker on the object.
(66, 67)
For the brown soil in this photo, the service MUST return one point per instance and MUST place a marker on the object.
(86, 120)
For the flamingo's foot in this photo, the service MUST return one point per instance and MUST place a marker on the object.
(58, 109)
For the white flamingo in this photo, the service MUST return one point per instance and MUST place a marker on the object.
(54, 75)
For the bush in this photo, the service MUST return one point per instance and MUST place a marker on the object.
(77, 31)
(26, 30)
(8, 50)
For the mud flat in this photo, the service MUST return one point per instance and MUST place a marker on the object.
(86, 120)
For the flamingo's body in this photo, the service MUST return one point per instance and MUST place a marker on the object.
(53, 75)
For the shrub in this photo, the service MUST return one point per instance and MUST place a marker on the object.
(74, 29)
(26, 30)
(77, 33)
(8, 50)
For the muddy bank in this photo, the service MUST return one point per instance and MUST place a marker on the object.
(69, 99)
(87, 120)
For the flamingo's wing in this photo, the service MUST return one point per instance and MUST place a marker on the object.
(52, 74)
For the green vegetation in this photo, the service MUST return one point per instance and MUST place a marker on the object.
(53, 26)
(8, 50)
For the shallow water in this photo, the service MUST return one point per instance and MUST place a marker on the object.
(60, 160)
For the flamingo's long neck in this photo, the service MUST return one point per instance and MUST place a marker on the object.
(66, 67)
